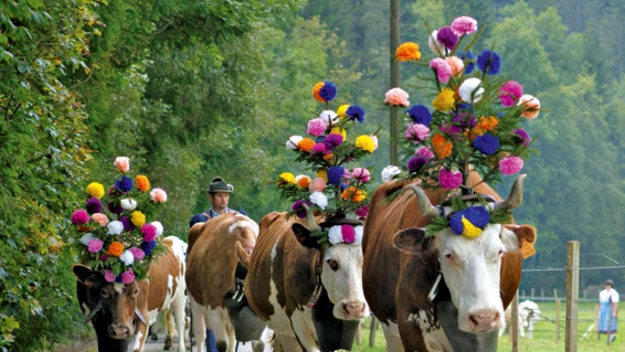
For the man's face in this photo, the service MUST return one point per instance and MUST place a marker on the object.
(219, 200)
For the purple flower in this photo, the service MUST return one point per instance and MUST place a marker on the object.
(148, 247)
(489, 60)
(355, 112)
(416, 163)
(465, 119)
(420, 114)
(149, 232)
(115, 208)
(469, 58)
(425, 152)
(486, 144)
(128, 225)
(319, 148)
(335, 174)
(93, 206)
(447, 36)
(124, 184)
(523, 136)
(328, 91)
(333, 140)
(137, 253)
(95, 245)
(417, 133)
(298, 208)
(362, 211)
(80, 217)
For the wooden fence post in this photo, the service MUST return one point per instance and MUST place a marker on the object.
(374, 323)
(557, 319)
(542, 294)
(532, 294)
(572, 295)
(514, 323)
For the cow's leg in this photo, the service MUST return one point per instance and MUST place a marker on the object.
(169, 337)
(305, 330)
(140, 337)
(285, 343)
(216, 320)
(393, 341)
(177, 310)
(198, 325)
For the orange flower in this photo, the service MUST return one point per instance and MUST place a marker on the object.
(484, 124)
(303, 181)
(116, 249)
(408, 51)
(353, 194)
(143, 183)
(306, 144)
(441, 146)
(316, 90)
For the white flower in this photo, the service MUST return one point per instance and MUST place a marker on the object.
(437, 47)
(127, 258)
(129, 203)
(86, 238)
(159, 227)
(115, 227)
(291, 143)
(320, 199)
(329, 115)
(335, 236)
(359, 231)
(375, 142)
(390, 172)
(470, 87)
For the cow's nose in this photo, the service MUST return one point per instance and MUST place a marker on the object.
(484, 320)
(119, 331)
(354, 309)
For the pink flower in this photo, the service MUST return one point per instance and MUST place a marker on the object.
(122, 163)
(464, 25)
(510, 93)
(137, 253)
(442, 69)
(317, 127)
(449, 179)
(397, 97)
(510, 165)
(362, 211)
(100, 219)
(425, 152)
(109, 276)
(80, 217)
(417, 133)
(149, 232)
(531, 106)
(95, 245)
(361, 174)
(128, 277)
(349, 234)
(456, 65)
(317, 185)
(319, 148)
(158, 195)
(375, 141)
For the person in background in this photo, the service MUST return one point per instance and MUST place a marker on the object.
(607, 310)
(219, 195)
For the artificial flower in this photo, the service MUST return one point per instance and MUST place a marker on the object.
(425, 152)
(319, 148)
(389, 173)
(128, 204)
(340, 131)
(510, 165)
(416, 163)
(470, 90)
(468, 221)
(148, 247)
(485, 124)
(124, 183)
(356, 113)
(456, 65)
(302, 181)
(143, 183)
(348, 233)
(464, 25)
(489, 62)
(522, 136)
(360, 174)
(137, 253)
(362, 211)
(128, 277)
(417, 133)
(159, 227)
(442, 69)
(286, 178)
(450, 179)
(95, 245)
(149, 232)
(115, 249)
(323, 174)
(329, 117)
(469, 57)
(109, 276)
(335, 173)
(317, 185)
(486, 144)
(374, 138)
(441, 147)
(319, 199)
(115, 228)
(531, 106)
(447, 37)
(341, 112)
(127, 258)
(445, 100)
(327, 92)
(396, 97)
(93, 205)
(333, 140)
(137, 218)
(86, 238)
(293, 141)
(408, 51)
(80, 217)
(115, 208)
(354, 194)
(510, 93)
(359, 231)
(122, 164)
(420, 114)
(436, 46)
(158, 195)
(335, 236)
(128, 225)
(306, 144)
(298, 208)
(95, 190)
(317, 127)
(365, 143)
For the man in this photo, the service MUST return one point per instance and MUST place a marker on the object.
(608, 308)
(219, 196)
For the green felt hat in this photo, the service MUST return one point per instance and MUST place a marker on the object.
(218, 184)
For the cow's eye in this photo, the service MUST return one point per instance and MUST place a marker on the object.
(135, 293)
(500, 252)
(449, 256)
(334, 265)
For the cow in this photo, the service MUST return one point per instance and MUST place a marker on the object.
(401, 270)
(528, 315)
(521, 317)
(121, 312)
(310, 295)
(213, 266)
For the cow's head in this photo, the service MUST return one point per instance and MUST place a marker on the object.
(245, 232)
(341, 271)
(110, 305)
(470, 267)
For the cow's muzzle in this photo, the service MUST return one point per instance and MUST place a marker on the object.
(351, 310)
(119, 331)
(484, 320)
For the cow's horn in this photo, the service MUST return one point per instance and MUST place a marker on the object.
(516, 195)
(312, 223)
(425, 206)
(92, 314)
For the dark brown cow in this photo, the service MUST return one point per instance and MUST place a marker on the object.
(121, 312)
(397, 282)
(282, 280)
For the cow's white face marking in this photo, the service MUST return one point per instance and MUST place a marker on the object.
(119, 287)
(341, 276)
(471, 271)
(242, 224)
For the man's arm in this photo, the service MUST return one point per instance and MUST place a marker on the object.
(197, 218)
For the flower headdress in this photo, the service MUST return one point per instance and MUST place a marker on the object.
(475, 122)
(336, 191)
(116, 232)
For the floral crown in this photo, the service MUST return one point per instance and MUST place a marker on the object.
(118, 242)
(337, 192)
(474, 123)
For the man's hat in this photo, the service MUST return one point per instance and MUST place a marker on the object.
(218, 184)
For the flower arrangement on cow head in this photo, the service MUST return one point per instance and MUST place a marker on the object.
(473, 125)
(335, 190)
(116, 231)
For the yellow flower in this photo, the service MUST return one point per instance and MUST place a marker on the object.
(95, 190)
(137, 218)
(445, 100)
(286, 178)
(408, 51)
(354, 194)
(365, 143)
(341, 111)
(323, 174)
(469, 230)
(339, 130)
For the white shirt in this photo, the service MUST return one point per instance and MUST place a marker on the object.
(605, 295)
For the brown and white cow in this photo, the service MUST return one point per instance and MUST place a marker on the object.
(479, 276)
(121, 314)
(217, 246)
(282, 279)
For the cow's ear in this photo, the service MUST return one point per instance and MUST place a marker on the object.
(519, 237)
(411, 240)
(302, 235)
(83, 274)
